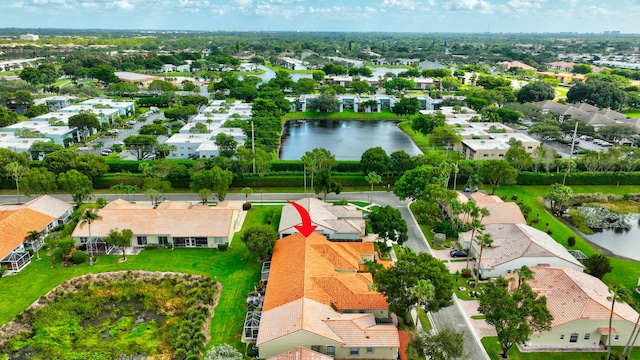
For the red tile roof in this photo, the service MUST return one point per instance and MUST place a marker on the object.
(15, 226)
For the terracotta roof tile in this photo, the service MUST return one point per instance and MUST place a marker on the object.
(573, 295)
(310, 278)
(301, 354)
(339, 218)
(15, 226)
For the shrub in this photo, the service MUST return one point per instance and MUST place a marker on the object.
(571, 241)
(78, 257)
(3, 268)
(223, 247)
(150, 247)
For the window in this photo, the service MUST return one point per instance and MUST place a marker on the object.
(142, 240)
(587, 336)
(179, 241)
(573, 338)
(616, 337)
(369, 350)
(331, 350)
(561, 337)
(163, 240)
(201, 242)
(485, 155)
(315, 348)
(83, 240)
(354, 351)
(218, 240)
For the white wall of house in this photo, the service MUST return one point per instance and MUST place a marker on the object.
(560, 336)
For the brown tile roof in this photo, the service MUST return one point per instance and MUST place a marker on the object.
(169, 218)
(514, 241)
(312, 277)
(500, 212)
(516, 64)
(573, 295)
(301, 354)
(343, 219)
(15, 226)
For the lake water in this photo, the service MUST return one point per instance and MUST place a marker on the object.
(346, 139)
(620, 242)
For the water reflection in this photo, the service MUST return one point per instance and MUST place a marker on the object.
(346, 139)
(619, 241)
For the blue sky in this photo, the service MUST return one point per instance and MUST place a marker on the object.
(328, 15)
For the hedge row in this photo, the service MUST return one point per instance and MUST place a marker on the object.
(579, 178)
(297, 165)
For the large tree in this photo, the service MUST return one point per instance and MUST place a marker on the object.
(425, 123)
(119, 239)
(535, 91)
(375, 159)
(388, 223)
(444, 344)
(547, 130)
(7, 117)
(260, 240)
(498, 173)
(407, 106)
(325, 183)
(73, 180)
(515, 312)
(597, 92)
(325, 103)
(395, 283)
(142, 146)
(85, 122)
(215, 179)
(227, 145)
(39, 181)
(558, 198)
(413, 183)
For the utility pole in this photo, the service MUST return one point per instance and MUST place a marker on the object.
(305, 179)
(253, 146)
(573, 145)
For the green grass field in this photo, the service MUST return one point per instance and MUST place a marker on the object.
(278, 68)
(632, 114)
(237, 269)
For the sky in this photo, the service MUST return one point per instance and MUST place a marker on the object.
(475, 16)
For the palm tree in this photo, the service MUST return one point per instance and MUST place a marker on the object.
(632, 340)
(619, 294)
(16, 171)
(524, 274)
(246, 191)
(484, 240)
(32, 236)
(373, 178)
(477, 215)
(89, 216)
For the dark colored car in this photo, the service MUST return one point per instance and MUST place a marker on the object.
(458, 253)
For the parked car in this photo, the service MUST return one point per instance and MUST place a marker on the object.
(120, 143)
(586, 138)
(106, 152)
(458, 253)
(114, 131)
(468, 189)
(523, 128)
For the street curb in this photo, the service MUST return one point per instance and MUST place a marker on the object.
(467, 320)
(424, 238)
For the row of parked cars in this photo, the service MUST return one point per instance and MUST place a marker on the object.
(602, 143)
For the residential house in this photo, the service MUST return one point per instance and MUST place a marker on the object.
(41, 214)
(168, 68)
(580, 305)
(333, 221)
(57, 134)
(16, 144)
(516, 245)
(516, 64)
(500, 212)
(561, 65)
(175, 223)
(125, 108)
(56, 102)
(136, 78)
(318, 298)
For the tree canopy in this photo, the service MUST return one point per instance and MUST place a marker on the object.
(260, 240)
(388, 223)
(396, 281)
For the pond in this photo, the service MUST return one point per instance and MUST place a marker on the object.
(346, 139)
(620, 242)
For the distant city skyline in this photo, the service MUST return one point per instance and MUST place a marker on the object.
(473, 16)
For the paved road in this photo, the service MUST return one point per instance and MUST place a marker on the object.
(453, 316)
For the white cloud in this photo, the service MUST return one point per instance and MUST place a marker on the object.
(481, 6)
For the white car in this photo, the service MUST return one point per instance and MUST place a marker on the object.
(120, 143)
(114, 131)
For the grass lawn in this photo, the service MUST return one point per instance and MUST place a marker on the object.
(347, 114)
(421, 140)
(237, 270)
(424, 320)
(625, 272)
(632, 114)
